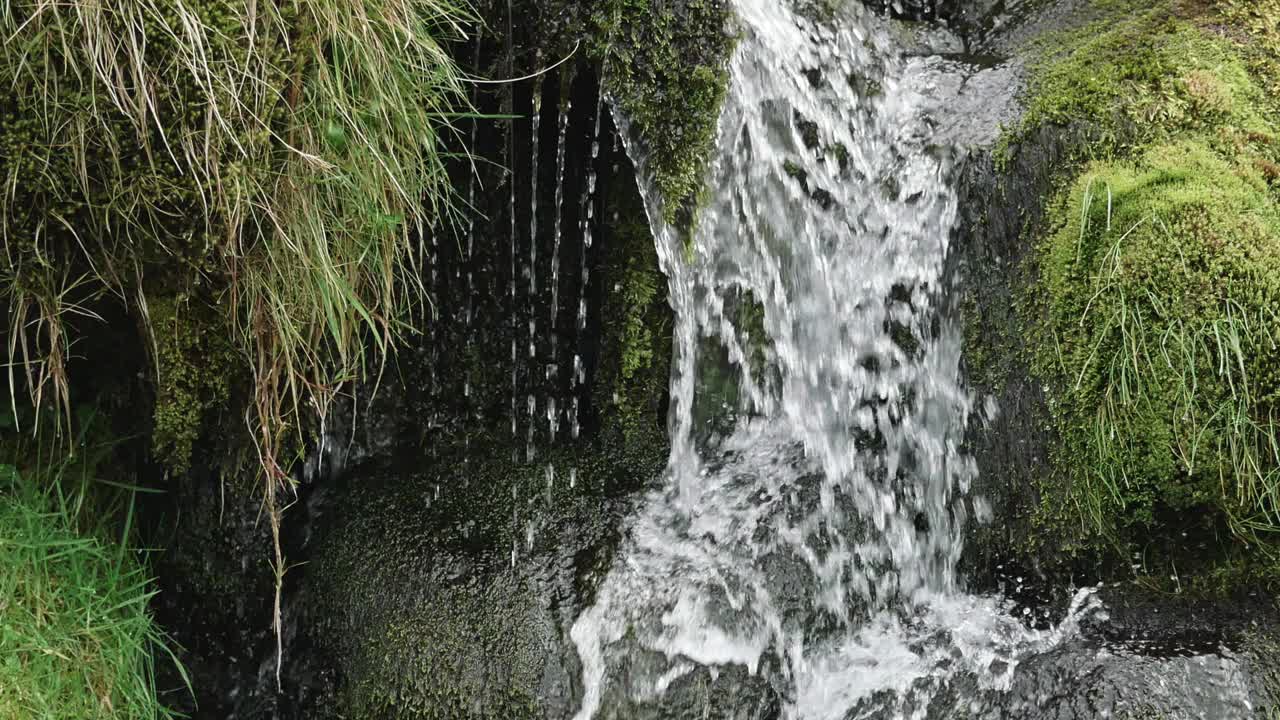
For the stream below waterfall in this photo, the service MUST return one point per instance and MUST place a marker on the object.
(811, 516)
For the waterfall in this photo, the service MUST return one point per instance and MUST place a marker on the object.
(811, 516)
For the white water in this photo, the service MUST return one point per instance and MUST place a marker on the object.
(811, 516)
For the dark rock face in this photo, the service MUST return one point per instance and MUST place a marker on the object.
(215, 598)
(452, 594)
(915, 9)
(1012, 435)
(983, 25)
(1156, 657)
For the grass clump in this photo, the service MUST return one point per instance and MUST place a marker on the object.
(266, 159)
(224, 169)
(1162, 289)
(1157, 308)
(77, 639)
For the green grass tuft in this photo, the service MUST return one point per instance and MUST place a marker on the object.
(77, 639)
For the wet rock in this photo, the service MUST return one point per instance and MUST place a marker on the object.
(707, 693)
(1011, 435)
(215, 590)
(1138, 656)
(980, 24)
(1082, 680)
(450, 593)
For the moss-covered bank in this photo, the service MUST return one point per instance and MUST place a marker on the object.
(1150, 299)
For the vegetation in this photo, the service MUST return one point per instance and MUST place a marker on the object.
(667, 65)
(76, 636)
(244, 177)
(633, 370)
(1164, 299)
(1159, 268)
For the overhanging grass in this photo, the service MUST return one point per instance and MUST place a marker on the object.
(269, 157)
(251, 170)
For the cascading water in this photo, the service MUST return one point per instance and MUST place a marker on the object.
(810, 521)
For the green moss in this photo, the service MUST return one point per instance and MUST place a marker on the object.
(1160, 278)
(1161, 284)
(1156, 312)
(195, 365)
(982, 351)
(1143, 73)
(634, 367)
(432, 643)
(667, 65)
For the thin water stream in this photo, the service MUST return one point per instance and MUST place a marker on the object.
(811, 516)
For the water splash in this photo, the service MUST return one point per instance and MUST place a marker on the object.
(815, 498)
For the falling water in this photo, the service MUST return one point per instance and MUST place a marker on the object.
(468, 328)
(433, 338)
(562, 125)
(810, 521)
(587, 218)
(535, 119)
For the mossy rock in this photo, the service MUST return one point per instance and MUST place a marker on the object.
(1159, 274)
(1130, 340)
(1262, 648)
(196, 367)
(634, 372)
(1161, 284)
(666, 63)
(1142, 73)
(450, 593)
